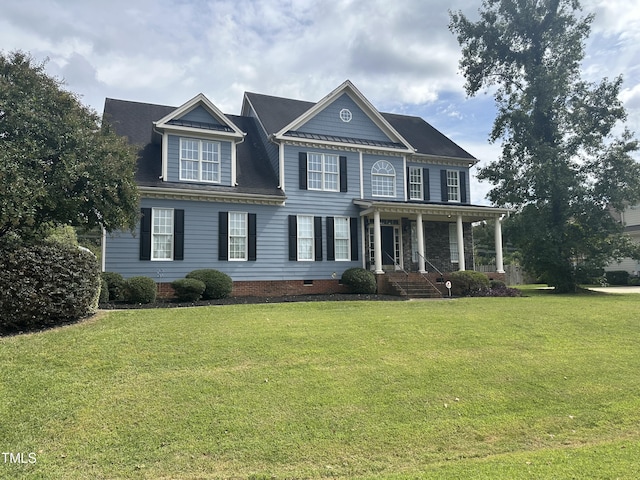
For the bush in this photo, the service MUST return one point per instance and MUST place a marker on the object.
(498, 291)
(188, 289)
(104, 291)
(45, 285)
(497, 284)
(140, 290)
(634, 281)
(359, 280)
(617, 277)
(468, 283)
(115, 286)
(217, 284)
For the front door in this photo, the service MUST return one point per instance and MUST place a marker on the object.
(388, 237)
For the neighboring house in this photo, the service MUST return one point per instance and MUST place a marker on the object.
(288, 195)
(630, 218)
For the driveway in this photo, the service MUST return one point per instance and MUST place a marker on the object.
(616, 289)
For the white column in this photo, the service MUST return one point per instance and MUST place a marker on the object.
(499, 260)
(460, 232)
(377, 242)
(419, 227)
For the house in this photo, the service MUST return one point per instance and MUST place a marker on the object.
(289, 194)
(630, 218)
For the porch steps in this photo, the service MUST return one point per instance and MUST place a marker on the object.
(412, 285)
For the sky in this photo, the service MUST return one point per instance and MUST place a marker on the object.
(400, 54)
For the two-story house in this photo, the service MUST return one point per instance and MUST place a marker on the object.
(289, 194)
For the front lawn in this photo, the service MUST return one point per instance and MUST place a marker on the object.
(544, 386)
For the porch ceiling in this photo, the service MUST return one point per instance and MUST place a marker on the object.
(432, 212)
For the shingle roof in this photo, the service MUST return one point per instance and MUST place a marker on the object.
(276, 112)
(134, 120)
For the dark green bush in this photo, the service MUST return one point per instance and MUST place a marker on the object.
(45, 285)
(359, 280)
(188, 289)
(115, 286)
(617, 277)
(468, 283)
(497, 284)
(140, 290)
(217, 284)
(104, 291)
(634, 281)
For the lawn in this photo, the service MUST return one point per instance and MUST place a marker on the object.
(544, 386)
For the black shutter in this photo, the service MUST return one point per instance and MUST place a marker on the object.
(463, 187)
(343, 174)
(444, 193)
(223, 235)
(145, 234)
(178, 234)
(425, 185)
(253, 237)
(354, 239)
(317, 233)
(331, 251)
(408, 183)
(302, 170)
(293, 238)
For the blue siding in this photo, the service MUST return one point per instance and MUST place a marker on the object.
(200, 114)
(328, 122)
(201, 245)
(173, 167)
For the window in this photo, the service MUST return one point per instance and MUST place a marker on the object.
(453, 243)
(453, 185)
(415, 183)
(345, 115)
(322, 172)
(237, 236)
(341, 236)
(305, 237)
(199, 160)
(162, 234)
(383, 179)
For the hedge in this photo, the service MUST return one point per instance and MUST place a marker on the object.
(217, 284)
(359, 280)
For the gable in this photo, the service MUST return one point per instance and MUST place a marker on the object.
(344, 118)
(199, 117)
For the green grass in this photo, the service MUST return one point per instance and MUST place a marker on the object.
(545, 386)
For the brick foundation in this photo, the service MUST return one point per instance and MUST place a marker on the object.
(273, 288)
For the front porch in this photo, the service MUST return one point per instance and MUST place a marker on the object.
(424, 238)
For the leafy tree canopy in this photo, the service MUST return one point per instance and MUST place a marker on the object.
(566, 161)
(58, 165)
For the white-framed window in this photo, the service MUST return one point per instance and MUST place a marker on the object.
(199, 160)
(342, 238)
(345, 115)
(453, 243)
(415, 183)
(453, 185)
(162, 234)
(323, 172)
(305, 237)
(238, 236)
(383, 179)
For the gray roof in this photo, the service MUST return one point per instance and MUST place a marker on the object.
(134, 120)
(275, 113)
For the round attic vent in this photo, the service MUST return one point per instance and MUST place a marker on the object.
(345, 115)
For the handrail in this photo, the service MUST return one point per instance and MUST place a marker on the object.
(431, 264)
(400, 267)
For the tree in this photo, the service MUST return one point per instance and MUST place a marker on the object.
(562, 168)
(58, 165)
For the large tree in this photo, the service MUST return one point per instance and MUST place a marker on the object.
(566, 160)
(58, 165)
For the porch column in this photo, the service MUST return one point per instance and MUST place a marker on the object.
(461, 263)
(420, 231)
(498, 235)
(377, 242)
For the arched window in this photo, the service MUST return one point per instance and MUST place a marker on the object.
(383, 179)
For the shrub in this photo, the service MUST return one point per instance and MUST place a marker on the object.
(217, 284)
(188, 289)
(634, 281)
(498, 291)
(497, 284)
(468, 283)
(617, 277)
(140, 290)
(104, 291)
(115, 286)
(359, 280)
(45, 285)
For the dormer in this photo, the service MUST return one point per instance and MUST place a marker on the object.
(199, 144)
